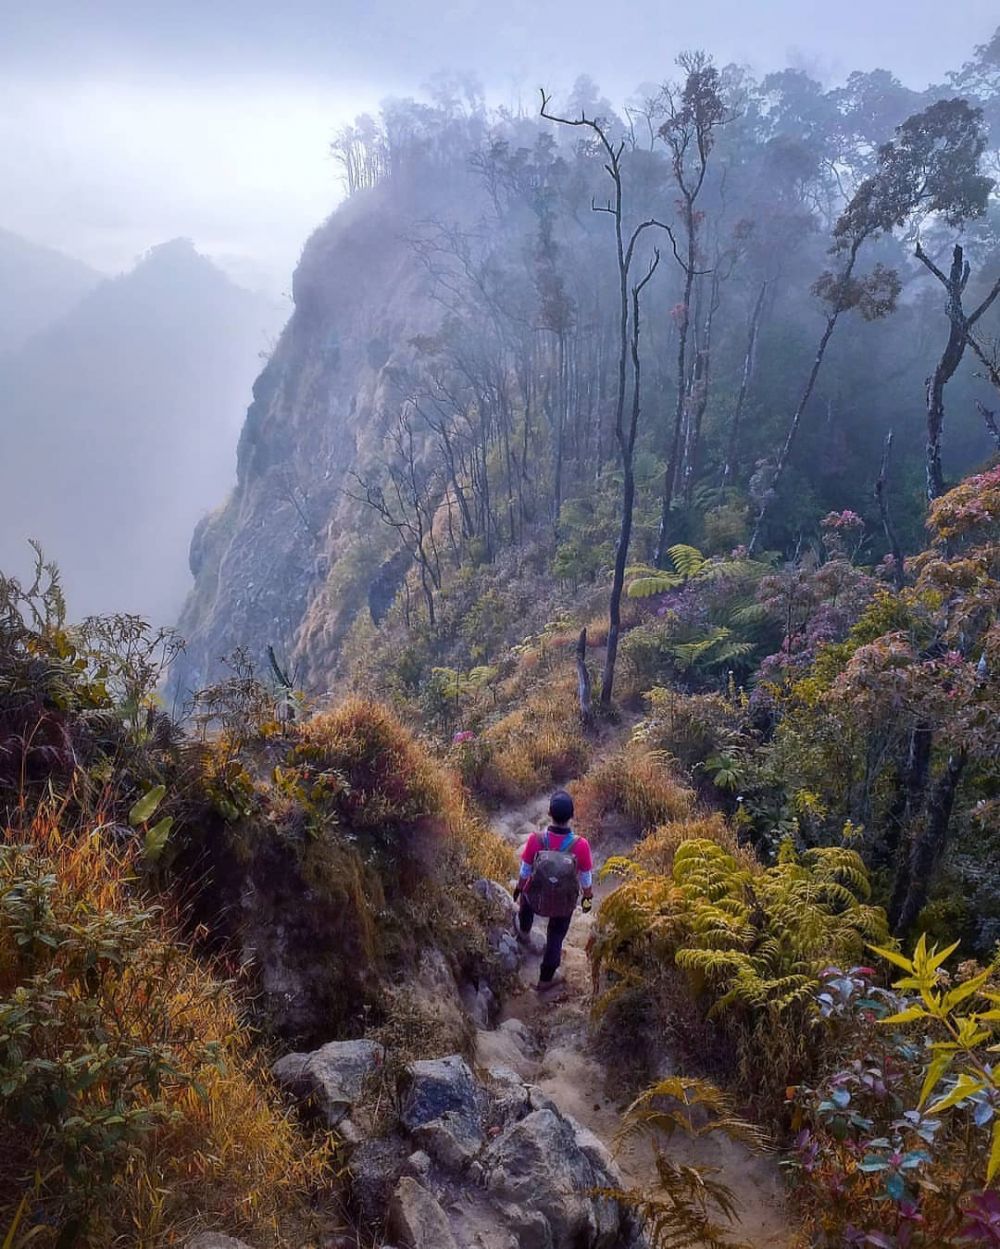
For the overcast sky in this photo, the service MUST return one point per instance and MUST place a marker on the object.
(127, 122)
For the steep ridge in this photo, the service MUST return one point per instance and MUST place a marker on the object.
(38, 286)
(291, 556)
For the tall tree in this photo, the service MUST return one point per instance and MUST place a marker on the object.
(693, 114)
(932, 165)
(625, 244)
(960, 326)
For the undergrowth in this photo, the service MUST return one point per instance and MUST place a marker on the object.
(138, 1104)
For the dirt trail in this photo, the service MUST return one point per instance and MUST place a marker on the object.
(547, 1041)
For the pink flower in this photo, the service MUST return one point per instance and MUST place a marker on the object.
(464, 736)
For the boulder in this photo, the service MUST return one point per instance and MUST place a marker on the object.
(416, 1219)
(439, 1086)
(332, 1077)
(443, 1109)
(537, 1165)
(500, 935)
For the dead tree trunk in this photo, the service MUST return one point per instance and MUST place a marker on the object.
(583, 678)
(882, 498)
(749, 364)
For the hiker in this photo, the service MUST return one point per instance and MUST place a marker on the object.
(555, 865)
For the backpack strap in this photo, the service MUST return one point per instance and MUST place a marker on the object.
(568, 843)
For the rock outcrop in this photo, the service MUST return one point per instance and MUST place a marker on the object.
(291, 558)
(489, 1162)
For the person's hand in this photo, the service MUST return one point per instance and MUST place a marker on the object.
(586, 904)
(517, 892)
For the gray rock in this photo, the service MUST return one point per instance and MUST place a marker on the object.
(530, 1226)
(416, 1219)
(497, 896)
(443, 1108)
(331, 1077)
(479, 1004)
(437, 1087)
(214, 1240)
(418, 1164)
(451, 1140)
(538, 1165)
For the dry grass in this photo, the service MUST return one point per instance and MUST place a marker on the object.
(637, 784)
(656, 851)
(540, 743)
(218, 1148)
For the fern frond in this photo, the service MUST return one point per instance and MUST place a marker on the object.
(688, 560)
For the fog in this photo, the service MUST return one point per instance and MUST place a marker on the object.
(124, 124)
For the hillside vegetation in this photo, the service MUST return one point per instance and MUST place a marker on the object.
(572, 468)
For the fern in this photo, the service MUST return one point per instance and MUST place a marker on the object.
(644, 581)
(754, 938)
(688, 1202)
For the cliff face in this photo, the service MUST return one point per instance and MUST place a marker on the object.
(291, 558)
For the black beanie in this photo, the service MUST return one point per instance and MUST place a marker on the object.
(561, 807)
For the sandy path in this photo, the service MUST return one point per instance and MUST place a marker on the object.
(560, 1059)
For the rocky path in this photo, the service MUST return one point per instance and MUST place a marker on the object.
(547, 1041)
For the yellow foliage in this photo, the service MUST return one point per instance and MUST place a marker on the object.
(210, 1142)
(750, 939)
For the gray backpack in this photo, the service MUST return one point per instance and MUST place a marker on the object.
(554, 885)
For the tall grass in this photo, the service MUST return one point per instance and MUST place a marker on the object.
(134, 1106)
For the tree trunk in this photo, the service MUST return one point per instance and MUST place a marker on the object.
(991, 422)
(583, 678)
(930, 841)
(949, 362)
(749, 363)
(918, 763)
(673, 456)
(882, 498)
(793, 429)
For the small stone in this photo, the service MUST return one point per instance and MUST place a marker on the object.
(417, 1219)
(418, 1164)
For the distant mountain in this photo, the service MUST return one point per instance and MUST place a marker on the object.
(38, 286)
(118, 426)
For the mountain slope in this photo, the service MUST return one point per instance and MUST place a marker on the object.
(119, 423)
(38, 286)
(291, 557)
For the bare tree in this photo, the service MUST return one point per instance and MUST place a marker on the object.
(749, 364)
(882, 499)
(409, 506)
(693, 114)
(625, 253)
(960, 327)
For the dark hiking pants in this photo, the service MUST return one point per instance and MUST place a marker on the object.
(555, 935)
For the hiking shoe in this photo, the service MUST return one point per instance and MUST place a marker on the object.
(546, 986)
